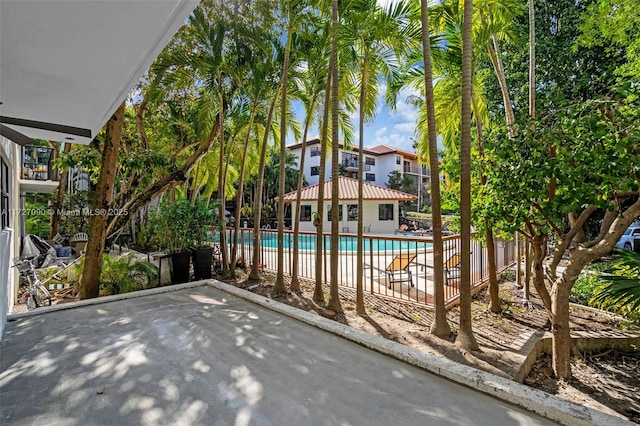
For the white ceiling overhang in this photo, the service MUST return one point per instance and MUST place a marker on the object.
(65, 66)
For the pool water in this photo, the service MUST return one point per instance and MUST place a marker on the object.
(308, 242)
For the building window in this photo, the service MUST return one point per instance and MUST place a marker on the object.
(305, 213)
(370, 161)
(4, 194)
(352, 212)
(370, 177)
(339, 213)
(315, 170)
(385, 212)
(398, 160)
(315, 151)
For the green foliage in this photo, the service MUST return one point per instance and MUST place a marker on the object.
(617, 33)
(402, 182)
(595, 157)
(178, 225)
(123, 274)
(620, 291)
(37, 219)
(508, 275)
(612, 286)
(75, 207)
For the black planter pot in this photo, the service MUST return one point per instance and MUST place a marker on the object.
(180, 264)
(202, 261)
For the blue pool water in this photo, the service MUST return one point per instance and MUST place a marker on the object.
(308, 242)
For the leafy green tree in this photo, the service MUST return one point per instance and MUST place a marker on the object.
(617, 32)
(595, 169)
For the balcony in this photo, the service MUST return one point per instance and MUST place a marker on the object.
(416, 170)
(351, 164)
(37, 173)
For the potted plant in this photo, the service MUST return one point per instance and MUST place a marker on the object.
(204, 216)
(176, 223)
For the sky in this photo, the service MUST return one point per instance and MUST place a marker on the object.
(394, 128)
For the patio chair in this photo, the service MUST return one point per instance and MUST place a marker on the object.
(398, 270)
(402, 230)
(452, 268)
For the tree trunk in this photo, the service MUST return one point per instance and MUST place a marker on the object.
(334, 255)
(502, 81)
(295, 282)
(56, 213)
(90, 282)
(440, 326)
(494, 289)
(280, 287)
(222, 208)
(465, 337)
(318, 295)
(240, 192)
(561, 347)
(360, 308)
(527, 269)
(257, 248)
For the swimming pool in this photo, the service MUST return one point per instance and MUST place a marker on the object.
(308, 242)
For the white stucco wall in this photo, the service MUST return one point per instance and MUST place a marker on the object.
(370, 218)
(8, 290)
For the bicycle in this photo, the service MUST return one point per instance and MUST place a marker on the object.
(37, 294)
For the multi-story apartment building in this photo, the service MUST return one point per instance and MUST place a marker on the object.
(379, 162)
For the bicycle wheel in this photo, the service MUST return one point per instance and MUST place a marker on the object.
(42, 296)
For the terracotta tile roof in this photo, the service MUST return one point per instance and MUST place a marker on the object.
(348, 190)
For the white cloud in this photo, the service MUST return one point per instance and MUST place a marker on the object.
(405, 127)
(380, 132)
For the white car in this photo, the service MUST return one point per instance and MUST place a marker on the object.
(626, 241)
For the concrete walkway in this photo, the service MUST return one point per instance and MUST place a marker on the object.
(193, 354)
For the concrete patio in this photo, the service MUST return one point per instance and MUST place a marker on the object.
(207, 353)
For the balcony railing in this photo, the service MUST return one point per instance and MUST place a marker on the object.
(37, 163)
(353, 164)
(416, 170)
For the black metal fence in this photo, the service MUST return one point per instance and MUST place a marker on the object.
(399, 266)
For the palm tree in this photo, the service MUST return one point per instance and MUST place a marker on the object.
(279, 287)
(440, 326)
(374, 34)
(334, 299)
(309, 87)
(465, 338)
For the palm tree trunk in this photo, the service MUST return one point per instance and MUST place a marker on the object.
(257, 249)
(280, 287)
(334, 299)
(318, 295)
(360, 309)
(502, 81)
(465, 337)
(295, 282)
(440, 326)
(221, 196)
(240, 192)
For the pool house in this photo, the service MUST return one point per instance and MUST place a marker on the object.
(380, 206)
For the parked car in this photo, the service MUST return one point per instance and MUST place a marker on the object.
(626, 241)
